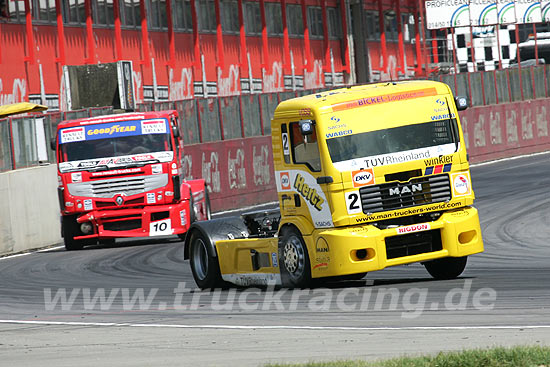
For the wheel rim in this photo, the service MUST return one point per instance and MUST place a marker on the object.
(200, 259)
(294, 257)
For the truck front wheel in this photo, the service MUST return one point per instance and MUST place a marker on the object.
(70, 230)
(205, 267)
(294, 259)
(447, 267)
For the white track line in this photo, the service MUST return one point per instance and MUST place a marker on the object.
(31, 252)
(274, 327)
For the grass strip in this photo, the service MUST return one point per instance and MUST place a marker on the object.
(521, 356)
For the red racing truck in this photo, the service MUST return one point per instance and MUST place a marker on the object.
(121, 176)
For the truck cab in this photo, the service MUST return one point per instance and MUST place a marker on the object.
(121, 176)
(367, 177)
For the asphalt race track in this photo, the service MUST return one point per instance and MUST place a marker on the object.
(136, 304)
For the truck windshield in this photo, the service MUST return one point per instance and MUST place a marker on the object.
(114, 144)
(115, 147)
(397, 139)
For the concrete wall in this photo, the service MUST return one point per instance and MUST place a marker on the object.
(29, 211)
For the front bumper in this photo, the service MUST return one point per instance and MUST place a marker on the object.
(156, 220)
(365, 248)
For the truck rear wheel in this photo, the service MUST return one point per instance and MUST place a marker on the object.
(70, 230)
(294, 259)
(447, 267)
(204, 266)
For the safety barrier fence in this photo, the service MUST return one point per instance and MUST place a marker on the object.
(227, 140)
(519, 83)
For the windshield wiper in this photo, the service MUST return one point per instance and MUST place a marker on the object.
(102, 167)
(140, 163)
(88, 169)
(454, 128)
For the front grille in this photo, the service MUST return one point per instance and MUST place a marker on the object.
(104, 204)
(397, 195)
(413, 244)
(124, 225)
(121, 185)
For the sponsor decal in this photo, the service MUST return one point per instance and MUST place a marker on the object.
(323, 224)
(407, 212)
(274, 261)
(442, 116)
(362, 177)
(308, 193)
(321, 266)
(71, 134)
(338, 133)
(153, 127)
(322, 254)
(440, 102)
(88, 204)
(393, 97)
(285, 181)
(111, 130)
(335, 119)
(406, 189)
(156, 169)
(321, 247)
(151, 198)
(395, 158)
(461, 184)
(116, 172)
(183, 218)
(413, 228)
(442, 159)
(76, 177)
(438, 169)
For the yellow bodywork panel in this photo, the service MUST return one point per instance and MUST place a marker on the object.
(23, 107)
(365, 248)
(249, 261)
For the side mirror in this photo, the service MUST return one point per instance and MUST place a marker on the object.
(306, 127)
(461, 103)
(176, 132)
(52, 144)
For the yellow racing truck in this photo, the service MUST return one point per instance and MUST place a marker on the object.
(367, 177)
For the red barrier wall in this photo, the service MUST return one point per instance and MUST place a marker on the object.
(506, 130)
(240, 171)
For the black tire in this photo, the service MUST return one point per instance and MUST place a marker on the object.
(204, 266)
(447, 267)
(294, 259)
(70, 230)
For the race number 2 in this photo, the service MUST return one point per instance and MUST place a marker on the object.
(160, 228)
(353, 202)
